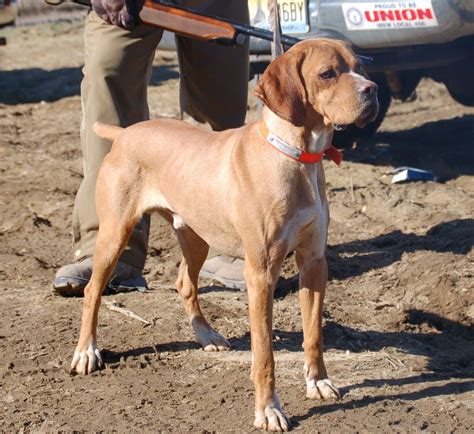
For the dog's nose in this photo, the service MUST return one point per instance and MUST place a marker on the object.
(368, 88)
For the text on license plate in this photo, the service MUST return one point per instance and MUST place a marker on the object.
(293, 15)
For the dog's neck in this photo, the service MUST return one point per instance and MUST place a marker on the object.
(312, 138)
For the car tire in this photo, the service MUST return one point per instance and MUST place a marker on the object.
(346, 138)
(8, 13)
(458, 83)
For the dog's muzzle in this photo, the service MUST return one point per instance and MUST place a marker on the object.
(368, 98)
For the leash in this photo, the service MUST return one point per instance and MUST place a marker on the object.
(297, 154)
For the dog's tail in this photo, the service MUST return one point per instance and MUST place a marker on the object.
(109, 132)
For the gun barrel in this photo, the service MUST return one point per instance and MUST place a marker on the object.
(264, 34)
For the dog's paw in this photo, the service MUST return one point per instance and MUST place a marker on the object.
(271, 418)
(87, 360)
(209, 339)
(322, 389)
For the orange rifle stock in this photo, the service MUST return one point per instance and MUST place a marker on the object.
(189, 24)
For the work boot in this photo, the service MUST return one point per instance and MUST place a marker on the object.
(226, 270)
(71, 279)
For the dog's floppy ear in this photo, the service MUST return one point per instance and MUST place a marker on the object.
(282, 90)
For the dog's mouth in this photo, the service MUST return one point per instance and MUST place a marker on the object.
(368, 115)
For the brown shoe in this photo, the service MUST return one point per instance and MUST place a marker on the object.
(226, 270)
(71, 279)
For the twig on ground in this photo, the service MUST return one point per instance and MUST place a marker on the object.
(116, 307)
(35, 355)
(395, 363)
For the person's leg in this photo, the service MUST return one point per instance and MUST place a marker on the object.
(213, 89)
(114, 91)
(214, 78)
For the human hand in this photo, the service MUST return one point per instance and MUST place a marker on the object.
(123, 13)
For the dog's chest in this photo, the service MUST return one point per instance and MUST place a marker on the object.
(309, 223)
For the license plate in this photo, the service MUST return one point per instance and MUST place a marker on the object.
(293, 15)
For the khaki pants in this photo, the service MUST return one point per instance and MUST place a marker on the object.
(213, 89)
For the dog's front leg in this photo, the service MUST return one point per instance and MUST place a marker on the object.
(261, 284)
(313, 278)
(111, 240)
(87, 356)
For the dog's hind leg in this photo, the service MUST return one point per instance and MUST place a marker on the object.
(313, 277)
(117, 216)
(195, 250)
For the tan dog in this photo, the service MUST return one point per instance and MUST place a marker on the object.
(233, 190)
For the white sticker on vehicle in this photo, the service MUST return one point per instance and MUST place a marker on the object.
(382, 15)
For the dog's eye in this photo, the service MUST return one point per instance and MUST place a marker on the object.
(326, 75)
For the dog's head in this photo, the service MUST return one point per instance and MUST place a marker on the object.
(322, 78)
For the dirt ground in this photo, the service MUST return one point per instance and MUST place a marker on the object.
(399, 309)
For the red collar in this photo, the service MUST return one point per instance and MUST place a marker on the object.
(297, 154)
